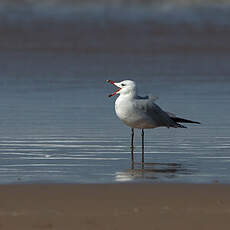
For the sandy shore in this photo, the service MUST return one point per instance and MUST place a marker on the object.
(127, 206)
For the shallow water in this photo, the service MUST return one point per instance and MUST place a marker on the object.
(58, 125)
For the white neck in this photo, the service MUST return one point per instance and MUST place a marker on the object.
(129, 95)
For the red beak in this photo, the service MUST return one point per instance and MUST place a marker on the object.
(112, 82)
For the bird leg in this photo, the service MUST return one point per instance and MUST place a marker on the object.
(142, 135)
(132, 147)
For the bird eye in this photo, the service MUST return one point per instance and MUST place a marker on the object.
(122, 84)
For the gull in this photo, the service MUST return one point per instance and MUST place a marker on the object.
(141, 112)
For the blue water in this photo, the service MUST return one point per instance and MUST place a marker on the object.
(191, 12)
(58, 125)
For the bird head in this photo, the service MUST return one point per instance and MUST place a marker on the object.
(124, 87)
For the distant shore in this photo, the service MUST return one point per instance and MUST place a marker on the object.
(116, 206)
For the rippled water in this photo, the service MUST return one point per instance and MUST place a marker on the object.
(58, 125)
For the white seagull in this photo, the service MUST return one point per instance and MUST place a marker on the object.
(142, 112)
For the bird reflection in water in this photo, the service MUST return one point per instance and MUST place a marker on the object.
(151, 171)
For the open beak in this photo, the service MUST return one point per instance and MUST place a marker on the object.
(113, 83)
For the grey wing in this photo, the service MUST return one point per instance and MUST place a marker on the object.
(171, 114)
(149, 97)
(158, 116)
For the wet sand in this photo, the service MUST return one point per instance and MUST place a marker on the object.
(117, 206)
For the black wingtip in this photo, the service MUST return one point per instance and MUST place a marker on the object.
(182, 120)
(181, 126)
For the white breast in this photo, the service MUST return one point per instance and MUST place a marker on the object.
(132, 116)
(123, 108)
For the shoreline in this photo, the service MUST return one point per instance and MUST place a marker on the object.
(115, 206)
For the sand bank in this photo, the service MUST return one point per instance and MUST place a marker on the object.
(122, 206)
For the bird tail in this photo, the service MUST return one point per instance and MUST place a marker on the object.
(180, 126)
(182, 120)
